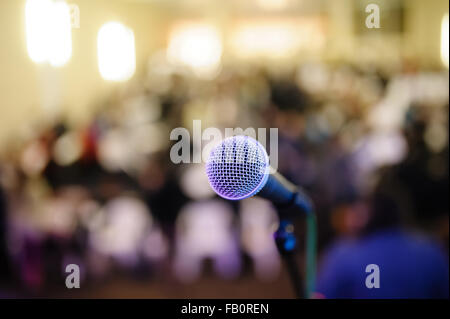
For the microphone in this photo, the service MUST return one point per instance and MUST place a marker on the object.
(239, 168)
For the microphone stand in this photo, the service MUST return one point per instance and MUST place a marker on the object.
(286, 243)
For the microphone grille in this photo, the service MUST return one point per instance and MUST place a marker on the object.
(238, 167)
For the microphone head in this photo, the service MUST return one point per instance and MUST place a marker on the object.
(238, 167)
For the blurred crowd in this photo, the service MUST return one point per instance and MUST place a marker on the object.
(105, 195)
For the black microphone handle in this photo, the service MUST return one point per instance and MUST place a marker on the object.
(284, 194)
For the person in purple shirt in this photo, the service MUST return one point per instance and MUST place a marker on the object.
(409, 266)
(387, 261)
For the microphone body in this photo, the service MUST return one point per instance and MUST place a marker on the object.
(284, 194)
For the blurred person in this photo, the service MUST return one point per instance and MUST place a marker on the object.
(160, 188)
(290, 107)
(204, 229)
(410, 264)
(258, 223)
(120, 229)
(5, 269)
(425, 169)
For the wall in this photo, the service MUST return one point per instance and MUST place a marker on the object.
(28, 89)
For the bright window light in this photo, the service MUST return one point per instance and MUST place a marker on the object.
(444, 40)
(48, 31)
(275, 38)
(116, 52)
(196, 46)
(61, 43)
(273, 4)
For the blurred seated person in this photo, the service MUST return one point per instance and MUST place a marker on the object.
(410, 265)
(4, 261)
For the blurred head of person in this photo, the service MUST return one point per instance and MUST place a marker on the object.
(387, 204)
(291, 104)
